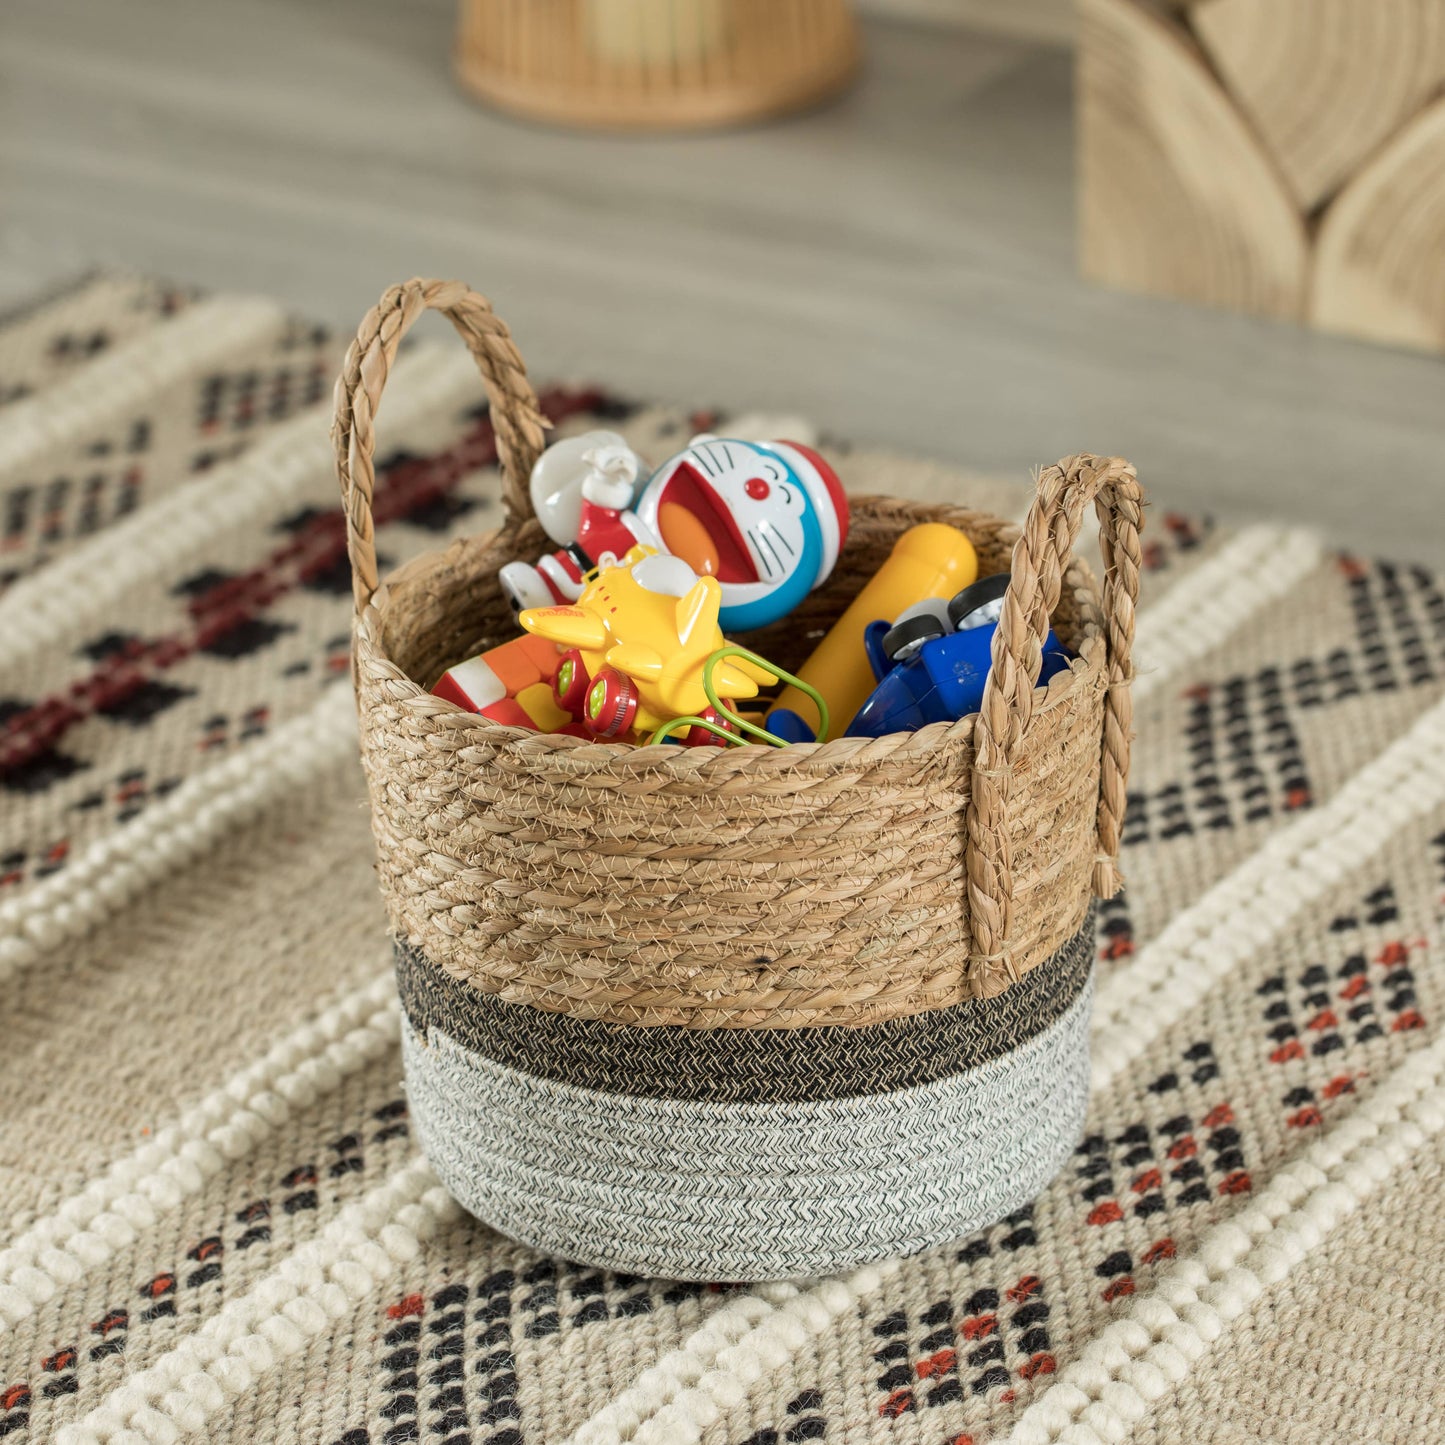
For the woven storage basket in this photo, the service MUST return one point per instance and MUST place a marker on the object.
(740, 1013)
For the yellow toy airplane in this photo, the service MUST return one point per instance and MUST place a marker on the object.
(642, 631)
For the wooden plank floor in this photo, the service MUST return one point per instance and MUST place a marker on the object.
(899, 267)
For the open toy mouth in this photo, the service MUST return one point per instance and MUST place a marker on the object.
(695, 525)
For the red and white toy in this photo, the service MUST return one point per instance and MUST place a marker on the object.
(582, 492)
(767, 519)
(512, 684)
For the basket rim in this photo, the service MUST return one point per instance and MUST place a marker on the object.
(373, 659)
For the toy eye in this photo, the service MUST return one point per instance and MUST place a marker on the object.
(757, 489)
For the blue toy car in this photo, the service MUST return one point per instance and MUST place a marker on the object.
(928, 674)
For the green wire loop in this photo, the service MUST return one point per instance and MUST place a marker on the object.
(741, 723)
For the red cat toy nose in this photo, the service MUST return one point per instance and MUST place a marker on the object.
(758, 489)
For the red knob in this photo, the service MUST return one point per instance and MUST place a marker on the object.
(611, 703)
(570, 682)
(697, 737)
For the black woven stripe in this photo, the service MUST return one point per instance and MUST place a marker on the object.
(736, 1066)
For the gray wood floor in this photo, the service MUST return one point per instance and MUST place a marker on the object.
(899, 267)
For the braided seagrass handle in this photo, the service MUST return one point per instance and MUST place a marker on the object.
(1039, 558)
(517, 422)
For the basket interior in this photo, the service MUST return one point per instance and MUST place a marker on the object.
(447, 606)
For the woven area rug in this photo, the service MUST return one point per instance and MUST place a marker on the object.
(216, 1225)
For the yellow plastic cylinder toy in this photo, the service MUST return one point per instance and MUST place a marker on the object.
(929, 560)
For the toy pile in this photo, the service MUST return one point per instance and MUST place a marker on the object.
(626, 624)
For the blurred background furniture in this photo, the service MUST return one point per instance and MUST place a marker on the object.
(898, 267)
(655, 64)
(1279, 156)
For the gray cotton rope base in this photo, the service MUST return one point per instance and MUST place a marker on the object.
(696, 1189)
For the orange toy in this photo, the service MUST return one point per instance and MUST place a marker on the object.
(510, 684)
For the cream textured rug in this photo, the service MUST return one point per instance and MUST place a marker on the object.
(215, 1224)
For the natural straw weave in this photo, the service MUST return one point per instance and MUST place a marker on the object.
(753, 887)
